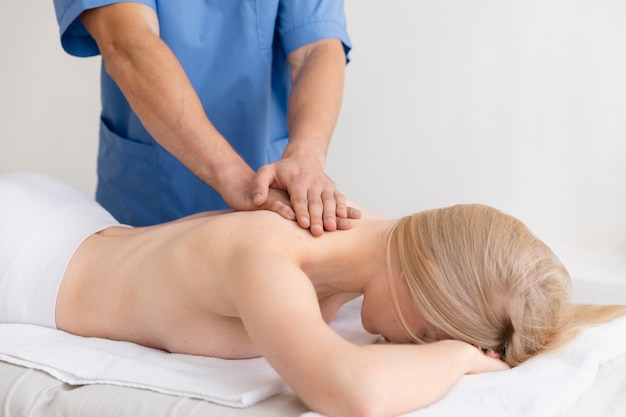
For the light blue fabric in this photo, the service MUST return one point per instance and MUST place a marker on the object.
(234, 53)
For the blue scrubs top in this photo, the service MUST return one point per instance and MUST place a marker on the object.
(234, 53)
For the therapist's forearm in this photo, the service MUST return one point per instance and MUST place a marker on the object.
(160, 93)
(158, 90)
(315, 99)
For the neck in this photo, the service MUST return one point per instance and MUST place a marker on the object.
(345, 261)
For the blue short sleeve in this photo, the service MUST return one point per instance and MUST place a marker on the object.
(74, 37)
(304, 22)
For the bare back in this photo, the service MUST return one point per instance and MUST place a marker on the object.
(158, 286)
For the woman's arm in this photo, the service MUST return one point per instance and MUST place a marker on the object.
(279, 308)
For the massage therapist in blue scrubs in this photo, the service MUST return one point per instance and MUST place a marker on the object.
(210, 104)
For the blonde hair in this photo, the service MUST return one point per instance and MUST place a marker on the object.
(480, 276)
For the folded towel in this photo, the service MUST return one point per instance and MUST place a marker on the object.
(79, 361)
(545, 386)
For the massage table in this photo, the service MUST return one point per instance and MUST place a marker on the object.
(597, 278)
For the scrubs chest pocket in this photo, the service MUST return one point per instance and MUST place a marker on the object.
(266, 15)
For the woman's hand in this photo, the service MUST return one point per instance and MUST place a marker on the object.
(487, 361)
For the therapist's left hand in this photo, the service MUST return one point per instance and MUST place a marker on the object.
(316, 201)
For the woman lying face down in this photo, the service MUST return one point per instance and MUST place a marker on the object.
(438, 285)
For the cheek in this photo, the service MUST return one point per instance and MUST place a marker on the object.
(398, 335)
(380, 318)
(391, 327)
(416, 323)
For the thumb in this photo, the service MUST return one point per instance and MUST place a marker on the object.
(261, 185)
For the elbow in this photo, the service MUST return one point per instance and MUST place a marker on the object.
(357, 406)
(370, 399)
(356, 398)
(117, 59)
(346, 408)
(365, 408)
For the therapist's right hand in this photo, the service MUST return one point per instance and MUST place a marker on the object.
(236, 186)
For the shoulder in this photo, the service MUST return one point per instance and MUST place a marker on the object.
(239, 232)
(249, 221)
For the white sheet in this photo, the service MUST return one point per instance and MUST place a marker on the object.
(78, 361)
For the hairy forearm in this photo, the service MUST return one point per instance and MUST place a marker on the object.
(158, 90)
(315, 99)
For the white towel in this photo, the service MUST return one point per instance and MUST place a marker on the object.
(545, 386)
(79, 361)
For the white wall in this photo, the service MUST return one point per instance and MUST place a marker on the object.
(49, 101)
(517, 104)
